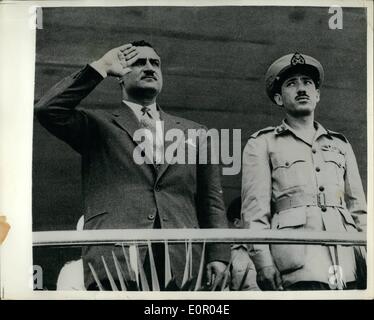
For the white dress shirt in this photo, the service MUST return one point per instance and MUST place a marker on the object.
(153, 124)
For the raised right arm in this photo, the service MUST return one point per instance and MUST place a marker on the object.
(57, 111)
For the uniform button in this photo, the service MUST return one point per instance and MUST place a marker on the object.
(324, 209)
(321, 188)
(314, 150)
(287, 164)
(151, 216)
(318, 169)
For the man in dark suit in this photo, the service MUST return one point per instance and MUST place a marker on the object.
(118, 193)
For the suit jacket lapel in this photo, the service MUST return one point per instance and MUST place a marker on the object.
(125, 118)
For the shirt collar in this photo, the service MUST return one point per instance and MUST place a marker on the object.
(284, 127)
(133, 105)
(136, 108)
(321, 131)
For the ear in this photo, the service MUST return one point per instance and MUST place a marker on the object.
(278, 99)
(318, 95)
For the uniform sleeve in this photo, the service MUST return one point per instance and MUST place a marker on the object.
(354, 192)
(57, 112)
(256, 196)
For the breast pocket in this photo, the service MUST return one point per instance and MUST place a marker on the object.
(289, 169)
(335, 165)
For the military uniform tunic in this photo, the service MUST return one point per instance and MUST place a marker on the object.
(290, 184)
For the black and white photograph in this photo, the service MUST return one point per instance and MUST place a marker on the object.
(200, 149)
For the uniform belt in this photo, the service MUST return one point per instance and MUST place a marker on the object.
(322, 200)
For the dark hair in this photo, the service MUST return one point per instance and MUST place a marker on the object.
(234, 209)
(142, 43)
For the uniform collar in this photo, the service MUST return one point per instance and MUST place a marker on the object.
(321, 131)
(284, 128)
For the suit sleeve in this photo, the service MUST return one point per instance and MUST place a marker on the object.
(210, 205)
(256, 196)
(354, 192)
(57, 111)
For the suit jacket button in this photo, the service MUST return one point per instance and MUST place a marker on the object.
(151, 216)
(157, 189)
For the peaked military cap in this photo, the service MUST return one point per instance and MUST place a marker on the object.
(288, 64)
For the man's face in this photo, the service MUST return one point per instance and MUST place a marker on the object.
(299, 95)
(145, 77)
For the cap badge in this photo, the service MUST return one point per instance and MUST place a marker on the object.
(297, 58)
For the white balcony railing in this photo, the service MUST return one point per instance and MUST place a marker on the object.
(107, 237)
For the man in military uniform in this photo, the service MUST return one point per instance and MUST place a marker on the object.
(301, 176)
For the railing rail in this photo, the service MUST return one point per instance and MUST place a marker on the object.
(139, 236)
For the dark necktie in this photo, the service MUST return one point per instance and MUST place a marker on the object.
(146, 110)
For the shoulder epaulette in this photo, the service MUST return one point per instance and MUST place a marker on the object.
(338, 135)
(262, 131)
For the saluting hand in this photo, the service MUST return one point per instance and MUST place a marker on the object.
(117, 61)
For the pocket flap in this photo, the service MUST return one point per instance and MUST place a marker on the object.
(292, 217)
(286, 160)
(347, 217)
(335, 157)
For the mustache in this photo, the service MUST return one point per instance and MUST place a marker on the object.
(149, 75)
(302, 96)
